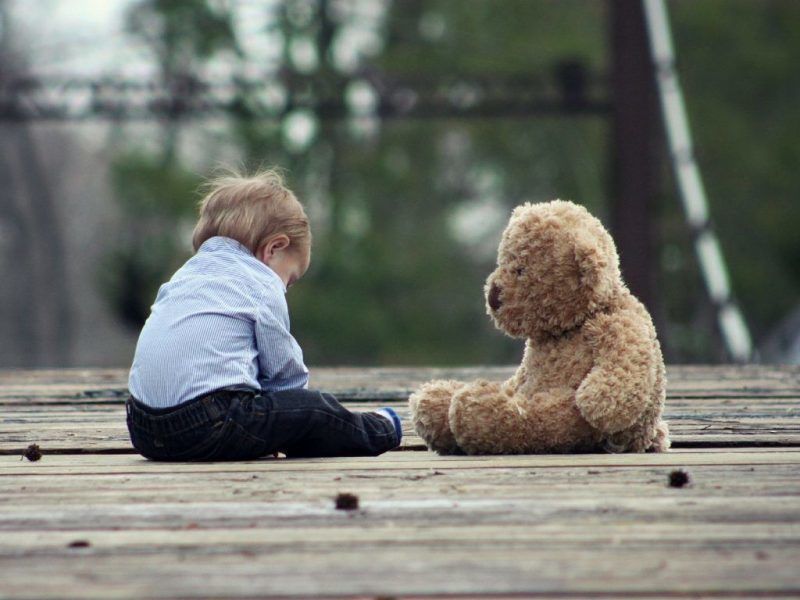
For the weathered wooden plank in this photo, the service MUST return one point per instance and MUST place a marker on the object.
(396, 383)
(114, 438)
(762, 492)
(393, 568)
(674, 406)
(418, 533)
(674, 372)
(61, 503)
(73, 464)
(696, 422)
(515, 562)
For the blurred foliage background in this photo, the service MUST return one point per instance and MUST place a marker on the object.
(407, 213)
(392, 282)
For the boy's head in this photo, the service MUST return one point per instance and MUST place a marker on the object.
(262, 214)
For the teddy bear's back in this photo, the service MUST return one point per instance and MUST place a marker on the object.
(640, 435)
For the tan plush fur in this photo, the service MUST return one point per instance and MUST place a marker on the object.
(592, 377)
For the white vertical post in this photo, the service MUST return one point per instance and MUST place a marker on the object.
(690, 184)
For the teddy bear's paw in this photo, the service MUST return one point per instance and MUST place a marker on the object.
(610, 400)
(661, 441)
(429, 408)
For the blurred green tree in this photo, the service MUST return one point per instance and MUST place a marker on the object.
(406, 213)
(393, 281)
(156, 192)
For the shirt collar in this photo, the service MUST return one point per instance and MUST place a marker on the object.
(219, 242)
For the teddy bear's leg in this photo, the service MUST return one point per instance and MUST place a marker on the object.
(484, 420)
(488, 418)
(429, 412)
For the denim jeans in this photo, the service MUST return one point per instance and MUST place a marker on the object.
(242, 424)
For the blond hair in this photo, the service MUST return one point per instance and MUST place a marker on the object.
(251, 209)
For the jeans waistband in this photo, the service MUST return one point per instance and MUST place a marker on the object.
(184, 416)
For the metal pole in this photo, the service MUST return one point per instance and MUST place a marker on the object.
(690, 184)
(635, 132)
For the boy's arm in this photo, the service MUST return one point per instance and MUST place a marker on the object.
(280, 358)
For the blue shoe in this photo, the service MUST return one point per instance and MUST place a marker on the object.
(390, 414)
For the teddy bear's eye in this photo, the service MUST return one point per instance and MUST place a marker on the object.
(520, 271)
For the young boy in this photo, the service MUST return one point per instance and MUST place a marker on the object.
(216, 374)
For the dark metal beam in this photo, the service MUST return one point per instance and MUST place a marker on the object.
(636, 131)
(65, 99)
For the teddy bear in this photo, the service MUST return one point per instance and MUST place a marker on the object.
(592, 377)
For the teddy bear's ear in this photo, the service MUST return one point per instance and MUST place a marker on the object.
(592, 262)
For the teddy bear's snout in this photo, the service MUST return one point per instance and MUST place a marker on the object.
(494, 298)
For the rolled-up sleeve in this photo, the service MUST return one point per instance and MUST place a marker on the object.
(280, 358)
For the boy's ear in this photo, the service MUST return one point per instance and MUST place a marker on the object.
(280, 242)
(268, 250)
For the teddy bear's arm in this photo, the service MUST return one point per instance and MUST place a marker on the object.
(617, 389)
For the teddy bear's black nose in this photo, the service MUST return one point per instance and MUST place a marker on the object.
(494, 298)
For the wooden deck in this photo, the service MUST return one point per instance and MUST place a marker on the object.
(93, 519)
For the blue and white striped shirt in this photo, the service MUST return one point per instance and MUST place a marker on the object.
(221, 321)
